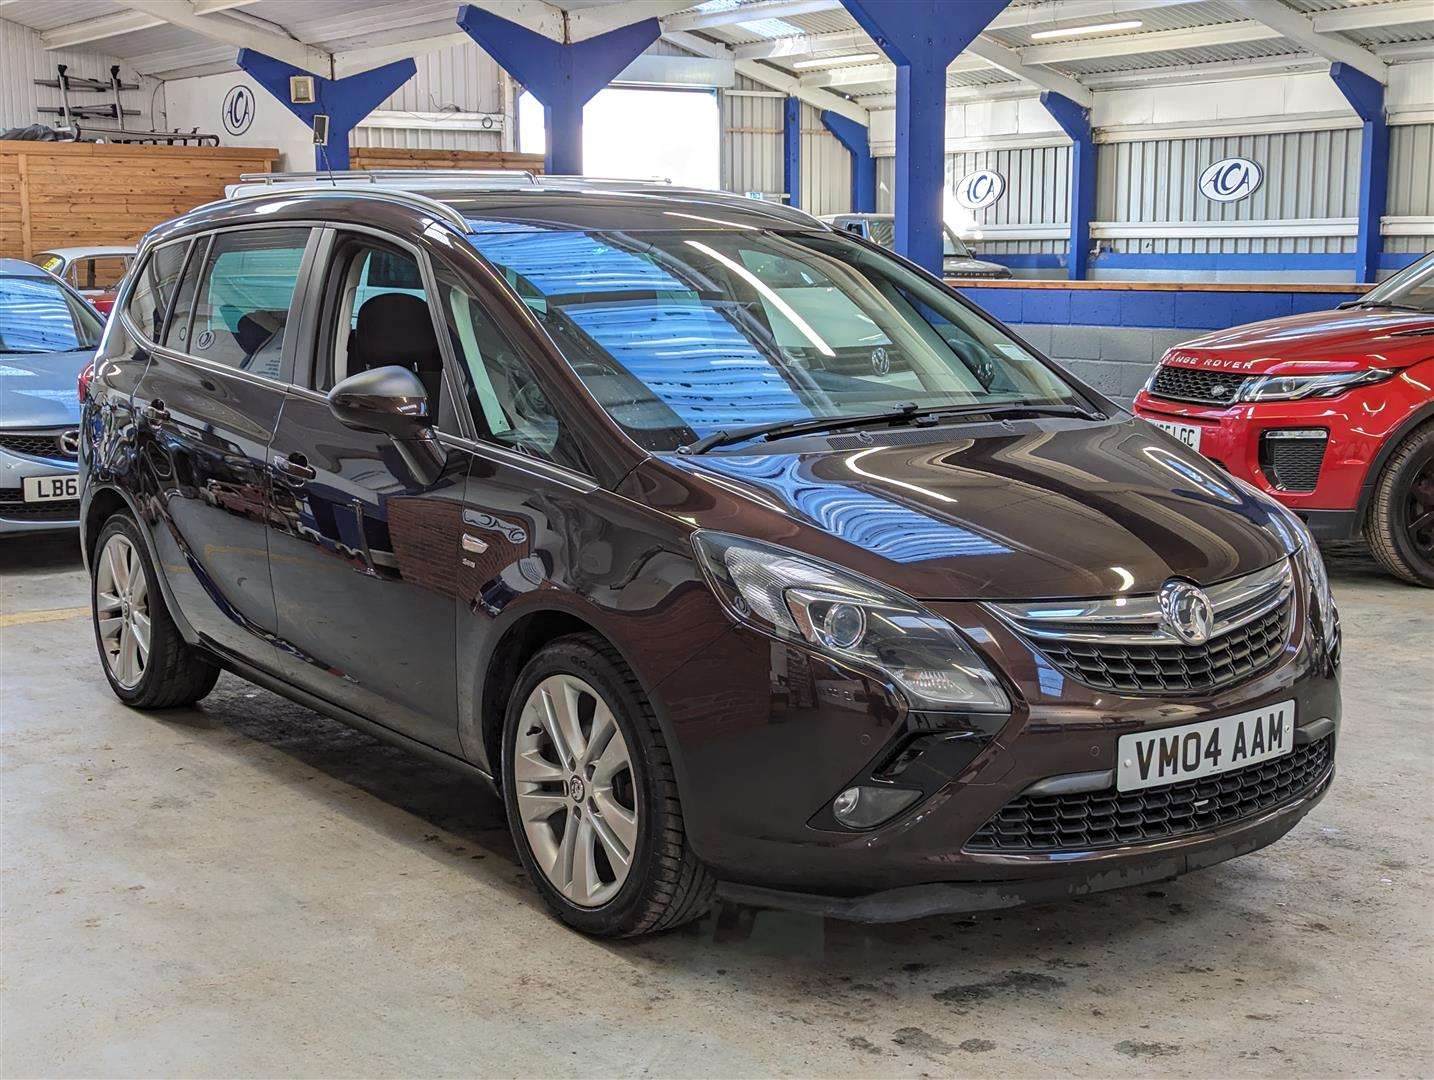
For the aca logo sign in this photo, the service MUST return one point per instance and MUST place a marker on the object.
(238, 110)
(1231, 179)
(978, 190)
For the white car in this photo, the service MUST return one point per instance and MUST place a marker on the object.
(96, 272)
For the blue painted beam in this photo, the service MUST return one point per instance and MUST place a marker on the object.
(855, 138)
(1366, 97)
(922, 38)
(1074, 120)
(344, 101)
(563, 77)
(792, 150)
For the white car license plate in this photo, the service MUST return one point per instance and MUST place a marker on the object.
(61, 488)
(1169, 755)
(1189, 434)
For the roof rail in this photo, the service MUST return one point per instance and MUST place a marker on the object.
(377, 176)
(442, 211)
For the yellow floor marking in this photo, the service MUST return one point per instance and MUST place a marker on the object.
(20, 618)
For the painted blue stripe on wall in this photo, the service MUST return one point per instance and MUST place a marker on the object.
(1388, 261)
(1188, 309)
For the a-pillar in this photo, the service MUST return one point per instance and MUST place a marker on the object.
(922, 38)
(855, 139)
(344, 101)
(1366, 97)
(564, 77)
(1074, 120)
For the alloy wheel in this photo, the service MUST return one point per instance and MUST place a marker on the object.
(575, 790)
(1419, 512)
(122, 611)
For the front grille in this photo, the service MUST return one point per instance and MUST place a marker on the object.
(45, 444)
(1159, 668)
(1177, 383)
(1292, 460)
(13, 507)
(1105, 819)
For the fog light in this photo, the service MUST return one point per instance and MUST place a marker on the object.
(867, 807)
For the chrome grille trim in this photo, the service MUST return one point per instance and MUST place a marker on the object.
(1136, 620)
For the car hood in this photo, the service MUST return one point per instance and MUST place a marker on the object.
(1351, 339)
(37, 390)
(973, 267)
(1030, 510)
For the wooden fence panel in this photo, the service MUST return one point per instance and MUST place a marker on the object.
(65, 194)
(392, 157)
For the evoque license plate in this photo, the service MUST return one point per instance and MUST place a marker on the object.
(1169, 755)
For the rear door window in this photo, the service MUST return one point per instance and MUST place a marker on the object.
(153, 287)
(245, 290)
(98, 272)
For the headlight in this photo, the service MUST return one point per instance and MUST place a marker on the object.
(1321, 605)
(849, 618)
(1293, 387)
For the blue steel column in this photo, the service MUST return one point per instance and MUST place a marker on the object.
(563, 77)
(1074, 120)
(792, 150)
(344, 101)
(1366, 97)
(922, 38)
(854, 137)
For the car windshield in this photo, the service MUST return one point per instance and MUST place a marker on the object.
(883, 232)
(37, 315)
(1412, 287)
(682, 334)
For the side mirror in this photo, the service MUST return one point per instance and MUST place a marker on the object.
(388, 400)
(392, 401)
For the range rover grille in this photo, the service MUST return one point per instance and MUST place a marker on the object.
(1103, 819)
(1176, 383)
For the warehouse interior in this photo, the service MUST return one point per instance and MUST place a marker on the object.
(246, 886)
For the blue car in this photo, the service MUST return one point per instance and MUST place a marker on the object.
(48, 335)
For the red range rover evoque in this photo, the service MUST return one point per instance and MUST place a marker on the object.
(1331, 412)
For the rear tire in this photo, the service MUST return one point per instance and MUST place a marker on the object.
(597, 821)
(1401, 513)
(148, 664)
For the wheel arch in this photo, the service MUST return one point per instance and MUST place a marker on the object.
(1410, 424)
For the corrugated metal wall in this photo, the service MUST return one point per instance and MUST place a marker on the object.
(1308, 174)
(1411, 182)
(23, 60)
(751, 139)
(459, 78)
(1037, 192)
(752, 150)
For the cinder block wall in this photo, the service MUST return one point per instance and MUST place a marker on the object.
(1112, 334)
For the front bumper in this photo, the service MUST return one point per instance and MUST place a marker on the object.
(1231, 435)
(17, 516)
(764, 735)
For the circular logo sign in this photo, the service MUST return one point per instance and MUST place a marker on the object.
(1186, 612)
(1231, 179)
(238, 110)
(978, 190)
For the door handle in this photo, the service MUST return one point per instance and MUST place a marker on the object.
(296, 466)
(155, 412)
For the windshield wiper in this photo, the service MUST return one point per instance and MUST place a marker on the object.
(908, 413)
(1384, 304)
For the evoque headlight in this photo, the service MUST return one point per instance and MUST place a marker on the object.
(849, 618)
(1294, 387)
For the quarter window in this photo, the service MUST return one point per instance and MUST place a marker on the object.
(245, 290)
(101, 272)
(149, 300)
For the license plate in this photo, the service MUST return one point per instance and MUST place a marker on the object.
(1189, 434)
(63, 488)
(1167, 756)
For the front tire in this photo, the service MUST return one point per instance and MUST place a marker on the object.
(1401, 513)
(148, 664)
(592, 798)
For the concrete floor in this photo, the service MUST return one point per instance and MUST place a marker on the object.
(250, 889)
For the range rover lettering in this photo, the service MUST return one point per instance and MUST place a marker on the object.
(741, 555)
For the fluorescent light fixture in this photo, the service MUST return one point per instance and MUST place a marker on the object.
(830, 61)
(1095, 28)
